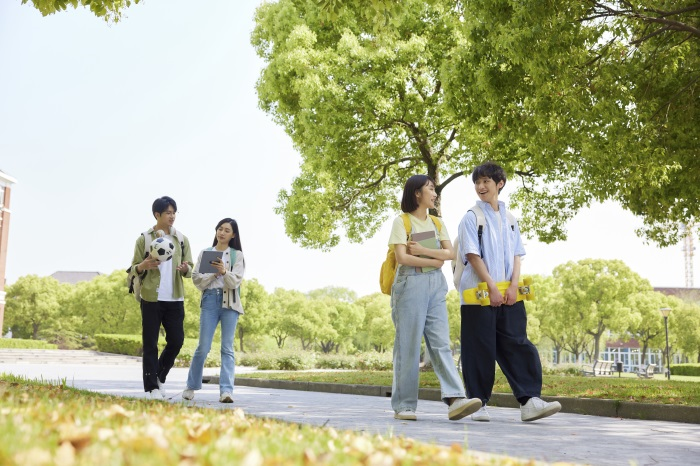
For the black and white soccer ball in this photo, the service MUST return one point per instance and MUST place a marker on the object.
(162, 249)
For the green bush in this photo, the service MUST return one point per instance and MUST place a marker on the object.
(374, 361)
(335, 361)
(686, 369)
(19, 343)
(119, 344)
(131, 345)
(297, 361)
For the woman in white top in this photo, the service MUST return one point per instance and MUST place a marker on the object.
(221, 302)
(418, 306)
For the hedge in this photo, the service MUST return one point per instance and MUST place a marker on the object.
(19, 343)
(131, 345)
(685, 369)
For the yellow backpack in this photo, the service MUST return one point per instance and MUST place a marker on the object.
(388, 271)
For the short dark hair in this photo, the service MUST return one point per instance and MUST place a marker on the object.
(234, 242)
(161, 204)
(490, 170)
(413, 184)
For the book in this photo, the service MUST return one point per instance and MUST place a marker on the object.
(205, 266)
(429, 240)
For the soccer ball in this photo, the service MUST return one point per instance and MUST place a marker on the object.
(162, 249)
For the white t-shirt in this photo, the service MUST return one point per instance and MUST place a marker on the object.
(165, 289)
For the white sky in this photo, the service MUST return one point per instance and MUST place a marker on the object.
(98, 120)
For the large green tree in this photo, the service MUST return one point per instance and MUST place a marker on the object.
(35, 304)
(103, 306)
(365, 110)
(581, 102)
(648, 329)
(593, 298)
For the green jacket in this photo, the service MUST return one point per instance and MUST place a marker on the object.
(151, 281)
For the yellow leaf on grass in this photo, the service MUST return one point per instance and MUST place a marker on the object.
(33, 456)
(65, 455)
(253, 458)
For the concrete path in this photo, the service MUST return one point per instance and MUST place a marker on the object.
(564, 437)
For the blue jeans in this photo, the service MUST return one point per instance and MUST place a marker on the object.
(209, 318)
(419, 309)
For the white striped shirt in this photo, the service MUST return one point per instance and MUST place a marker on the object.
(500, 245)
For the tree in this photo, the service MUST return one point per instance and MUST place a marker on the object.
(649, 328)
(279, 325)
(109, 10)
(565, 96)
(34, 304)
(104, 306)
(597, 89)
(378, 328)
(365, 111)
(685, 327)
(256, 303)
(593, 294)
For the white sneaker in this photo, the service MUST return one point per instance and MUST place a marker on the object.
(405, 415)
(153, 395)
(536, 408)
(188, 394)
(482, 415)
(225, 398)
(161, 389)
(463, 407)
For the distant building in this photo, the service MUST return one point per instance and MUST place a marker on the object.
(686, 294)
(6, 181)
(74, 277)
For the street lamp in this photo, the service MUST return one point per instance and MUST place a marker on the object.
(665, 311)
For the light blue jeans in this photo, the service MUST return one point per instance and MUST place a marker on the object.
(209, 318)
(419, 309)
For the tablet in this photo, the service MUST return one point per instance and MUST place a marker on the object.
(207, 258)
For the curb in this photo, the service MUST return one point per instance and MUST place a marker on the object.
(587, 406)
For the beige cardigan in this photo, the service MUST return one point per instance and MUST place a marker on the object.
(232, 279)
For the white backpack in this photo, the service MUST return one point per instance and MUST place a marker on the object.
(459, 261)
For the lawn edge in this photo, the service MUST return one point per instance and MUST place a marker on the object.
(586, 406)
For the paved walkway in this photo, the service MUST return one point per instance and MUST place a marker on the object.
(564, 437)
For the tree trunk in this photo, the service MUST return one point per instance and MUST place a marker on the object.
(240, 339)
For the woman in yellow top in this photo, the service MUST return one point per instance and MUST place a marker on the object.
(418, 306)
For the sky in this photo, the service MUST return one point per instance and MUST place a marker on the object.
(97, 120)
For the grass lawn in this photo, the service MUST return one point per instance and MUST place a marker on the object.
(52, 424)
(655, 390)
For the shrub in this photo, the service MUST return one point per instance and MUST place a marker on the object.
(686, 369)
(296, 361)
(336, 361)
(19, 343)
(374, 361)
(119, 344)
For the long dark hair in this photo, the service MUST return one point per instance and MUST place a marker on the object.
(234, 242)
(413, 184)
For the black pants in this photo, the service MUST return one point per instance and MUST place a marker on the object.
(498, 334)
(171, 314)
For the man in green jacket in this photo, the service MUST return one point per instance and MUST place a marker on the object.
(162, 296)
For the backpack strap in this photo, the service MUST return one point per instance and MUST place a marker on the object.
(437, 222)
(406, 224)
(511, 220)
(146, 237)
(480, 222)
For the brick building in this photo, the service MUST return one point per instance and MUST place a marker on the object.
(6, 181)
